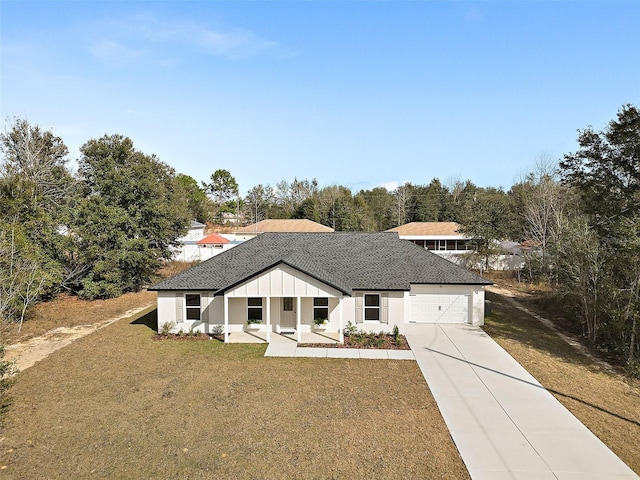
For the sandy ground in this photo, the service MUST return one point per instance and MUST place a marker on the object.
(511, 298)
(32, 351)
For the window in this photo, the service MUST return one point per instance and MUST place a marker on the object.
(254, 309)
(287, 304)
(442, 244)
(431, 244)
(192, 303)
(372, 307)
(320, 309)
(451, 244)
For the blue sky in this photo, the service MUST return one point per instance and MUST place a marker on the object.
(353, 93)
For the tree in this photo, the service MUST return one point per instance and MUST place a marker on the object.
(583, 275)
(38, 161)
(132, 212)
(224, 189)
(487, 219)
(604, 171)
(378, 212)
(336, 208)
(289, 196)
(25, 274)
(197, 202)
(223, 186)
(544, 203)
(402, 203)
(36, 193)
(258, 201)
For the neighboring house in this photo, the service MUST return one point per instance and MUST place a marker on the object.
(288, 281)
(444, 238)
(280, 226)
(212, 245)
(187, 250)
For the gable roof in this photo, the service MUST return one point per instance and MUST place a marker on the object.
(429, 228)
(345, 261)
(214, 239)
(287, 225)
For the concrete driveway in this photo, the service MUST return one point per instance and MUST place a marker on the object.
(503, 422)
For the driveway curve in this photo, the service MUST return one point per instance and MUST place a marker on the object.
(503, 422)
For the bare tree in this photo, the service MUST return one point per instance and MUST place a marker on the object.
(402, 202)
(545, 204)
(22, 281)
(38, 159)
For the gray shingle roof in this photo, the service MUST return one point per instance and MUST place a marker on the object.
(346, 261)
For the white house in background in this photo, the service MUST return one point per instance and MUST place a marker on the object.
(289, 282)
(444, 238)
(187, 250)
(213, 245)
(447, 240)
(280, 226)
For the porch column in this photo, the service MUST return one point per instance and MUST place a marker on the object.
(298, 319)
(268, 319)
(340, 316)
(226, 318)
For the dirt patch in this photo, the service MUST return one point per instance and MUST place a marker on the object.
(28, 353)
(68, 311)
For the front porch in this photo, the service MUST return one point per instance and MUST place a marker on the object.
(287, 338)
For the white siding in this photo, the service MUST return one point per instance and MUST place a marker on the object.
(475, 292)
(282, 281)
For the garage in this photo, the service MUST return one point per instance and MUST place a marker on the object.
(442, 308)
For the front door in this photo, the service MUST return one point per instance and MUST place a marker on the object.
(288, 313)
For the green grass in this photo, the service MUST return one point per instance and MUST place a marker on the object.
(117, 404)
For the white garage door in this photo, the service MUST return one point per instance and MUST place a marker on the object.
(439, 308)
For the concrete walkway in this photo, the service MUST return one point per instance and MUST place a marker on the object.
(503, 422)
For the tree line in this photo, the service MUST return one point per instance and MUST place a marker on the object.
(107, 228)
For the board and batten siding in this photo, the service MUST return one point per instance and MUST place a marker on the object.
(282, 281)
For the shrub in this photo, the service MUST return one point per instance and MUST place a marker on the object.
(217, 330)
(166, 327)
(350, 329)
(7, 370)
(396, 334)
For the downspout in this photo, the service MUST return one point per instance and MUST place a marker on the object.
(268, 319)
(341, 319)
(226, 318)
(298, 320)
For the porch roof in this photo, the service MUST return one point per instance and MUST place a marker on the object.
(344, 260)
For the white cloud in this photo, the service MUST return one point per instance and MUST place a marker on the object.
(149, 33)
(115, 53)
(392, 185)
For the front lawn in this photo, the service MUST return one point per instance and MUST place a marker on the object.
(117, 404)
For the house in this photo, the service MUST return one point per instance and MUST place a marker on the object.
(447, 240)
(281, 226)
(289, 282)
(444, 238)
(212, 245)
(187, 250)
